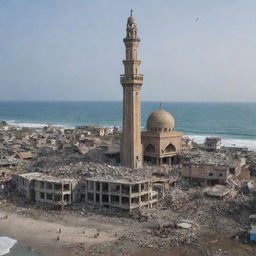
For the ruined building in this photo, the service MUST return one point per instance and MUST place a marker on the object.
(131, 147)
(212, 143)
(47, 190)
(98, 191)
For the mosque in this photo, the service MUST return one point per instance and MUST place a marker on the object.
(160, 143)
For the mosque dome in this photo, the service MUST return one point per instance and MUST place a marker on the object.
(131, 20)
(160, 119)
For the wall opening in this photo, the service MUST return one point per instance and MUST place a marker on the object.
(150, 148)
(135, 188)
(114, 199)
(90, 196)
(125, 200)
(49, 196)
(105, 199)
(57, 186)
(125, 189)
(104, 187)
(170, 148)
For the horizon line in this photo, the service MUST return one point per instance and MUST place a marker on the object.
(153, 101)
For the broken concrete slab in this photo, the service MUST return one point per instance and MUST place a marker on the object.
(218, 191)
(184, 225)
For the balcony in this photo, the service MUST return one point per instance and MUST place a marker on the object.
(131, 78)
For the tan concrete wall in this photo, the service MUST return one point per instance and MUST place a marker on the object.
(160, 141)
(205, 172)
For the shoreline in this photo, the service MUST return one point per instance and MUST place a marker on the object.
(197, 138)
(41, 234)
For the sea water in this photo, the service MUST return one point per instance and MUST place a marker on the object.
(20, 250)
(6, 243)
(235, 123)
(12, 247)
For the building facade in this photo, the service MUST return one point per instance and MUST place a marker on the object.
(98, 191)
(161, 144)
(120, 193)
(44, 189)
(131, 147)
(212, 143)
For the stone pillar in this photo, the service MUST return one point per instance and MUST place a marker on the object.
(120, 195)
(100, 194)
(62, 199)
(85, 193)
(139, 194)
(94, 192)
(130, 199)
(109, 196)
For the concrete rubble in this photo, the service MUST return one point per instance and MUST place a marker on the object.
(183, 211)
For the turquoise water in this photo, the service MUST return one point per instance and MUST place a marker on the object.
(234, 122)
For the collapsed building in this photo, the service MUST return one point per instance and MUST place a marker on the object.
(47, 190)
(120, 193)
(5, 180)
(210, 168)
(212, 143)
(206, 174)
(124, 194)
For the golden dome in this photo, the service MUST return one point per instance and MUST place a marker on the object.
(160, 119)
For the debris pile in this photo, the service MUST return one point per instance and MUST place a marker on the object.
(176, 199)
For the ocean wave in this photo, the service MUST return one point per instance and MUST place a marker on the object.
(32, 125)
(236, 142)
(229, 142)
(6, 243)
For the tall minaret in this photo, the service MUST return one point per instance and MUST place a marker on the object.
(131, 147)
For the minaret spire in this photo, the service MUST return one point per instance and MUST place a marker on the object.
(131, 147)
(131, 12)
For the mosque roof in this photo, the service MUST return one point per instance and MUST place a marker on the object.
(160, 119)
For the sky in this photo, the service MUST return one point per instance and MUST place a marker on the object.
(191, 50)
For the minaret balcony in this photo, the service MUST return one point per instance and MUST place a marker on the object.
(126, 79)
(129, 39)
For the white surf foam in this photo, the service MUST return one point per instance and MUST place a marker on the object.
(32, 125)
(6, 244)
(229, 142)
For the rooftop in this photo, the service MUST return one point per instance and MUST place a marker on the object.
(112, 180)
(42, 177)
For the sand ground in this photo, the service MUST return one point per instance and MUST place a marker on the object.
(44, 234)
(77, 237)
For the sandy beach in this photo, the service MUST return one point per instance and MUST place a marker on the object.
(44, 235)
(39, 230)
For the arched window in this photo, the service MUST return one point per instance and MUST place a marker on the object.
(150, 148)
(170, 148)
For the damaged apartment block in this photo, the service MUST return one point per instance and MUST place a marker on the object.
(123, 194)
(120, 193)
(47, 190)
